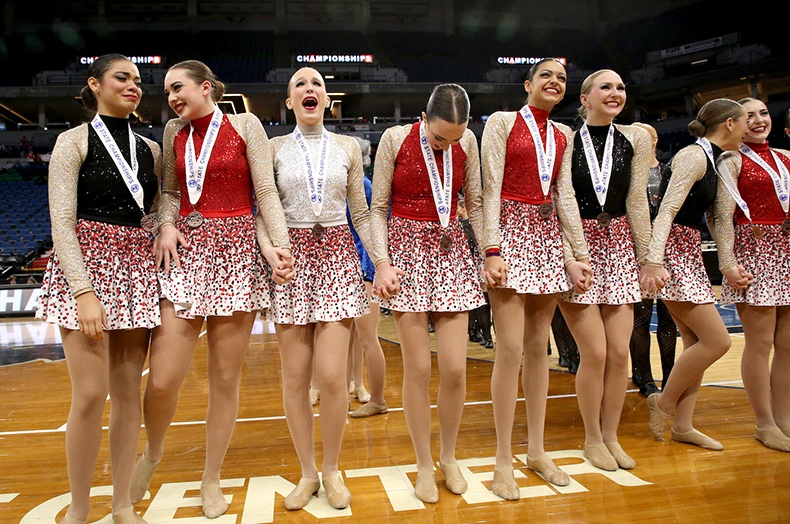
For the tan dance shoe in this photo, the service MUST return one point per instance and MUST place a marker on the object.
(453, 478)
(425, 489)
(773, 438)
(144, 471)
(504, 485)
(658, 419)
(337, 493)
(548, 470)
(369, 409)
(623, 459)
(302, 493)
(697, 438)
(214, 503)
(127, 515)
(315, 396)
(361, 394)
(599, 456)
(68, 519)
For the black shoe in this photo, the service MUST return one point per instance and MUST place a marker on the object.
(489, 343)
(648, 389)
(574, 367)
(564, 361)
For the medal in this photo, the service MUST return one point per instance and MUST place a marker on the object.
(600, 174)
(315, 169)
(446, 243)
(757, 231)
(194, 219)
(545, 156)
(604, 219)
(786, 225)
(318, 231)
(149, 222)
(545, 210)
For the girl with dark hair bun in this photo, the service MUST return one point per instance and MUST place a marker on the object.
(758, 242)
(217, 169)
(674, 266)
(424, 267)
(528, 212)
(100, 285)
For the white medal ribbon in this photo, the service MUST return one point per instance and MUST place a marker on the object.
(726, 177)
(781, 180)
(600, 174)
(547, 156)
(128, 172)
(441, 188)
(315, 180)
(196, 167)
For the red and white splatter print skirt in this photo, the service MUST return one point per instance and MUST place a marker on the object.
(327, 285)
(222, 271)
(531, 246)
(688, 280)
(768, 260)
(435, 279)
(613, 262)
(120, 264)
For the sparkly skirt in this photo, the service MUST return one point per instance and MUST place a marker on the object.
(120, 265)
(613, 262)
(327, 285)
(688, 280)
(222, 272)
(768, 259)
(532, 248)
(435, 279)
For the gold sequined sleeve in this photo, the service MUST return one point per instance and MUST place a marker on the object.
(383, 169)
(355, 189)
(473, 185)
(720, 222)
(636, 205)
(70, 151)
(259, 160)
(492, 157)
(688, 167)
(574, 245)
(170, 200)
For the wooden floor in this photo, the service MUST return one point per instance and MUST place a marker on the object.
(672, 482)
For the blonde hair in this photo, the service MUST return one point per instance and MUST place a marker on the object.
(713, 114)
(587, 86)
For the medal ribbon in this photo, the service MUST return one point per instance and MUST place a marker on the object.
(600, 174)
(441, 188)
(315, 181)
(196, 167)
(128, 172)
(781, 180)
(546, 157)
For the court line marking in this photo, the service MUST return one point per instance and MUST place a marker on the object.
(278, 418)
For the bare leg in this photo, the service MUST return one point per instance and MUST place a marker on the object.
(617, 323)
(759, 326)
(228, 341)
(416, 353)
(172, 348)
(128, 349)
(87, 361)
(368, 338)
(331, 353)
(297, 372)
(451, 354)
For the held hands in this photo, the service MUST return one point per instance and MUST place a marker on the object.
(386, 283)
(495, 272)
(581, 275)
(653, 278)
(739, 278)
(166, 246)
(282, 263)
(91, 316)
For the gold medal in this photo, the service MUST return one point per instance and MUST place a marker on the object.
(757, 231)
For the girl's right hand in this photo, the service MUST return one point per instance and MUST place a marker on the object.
(91, 315)
(386, 283)
(166, 246)
(495, 272)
